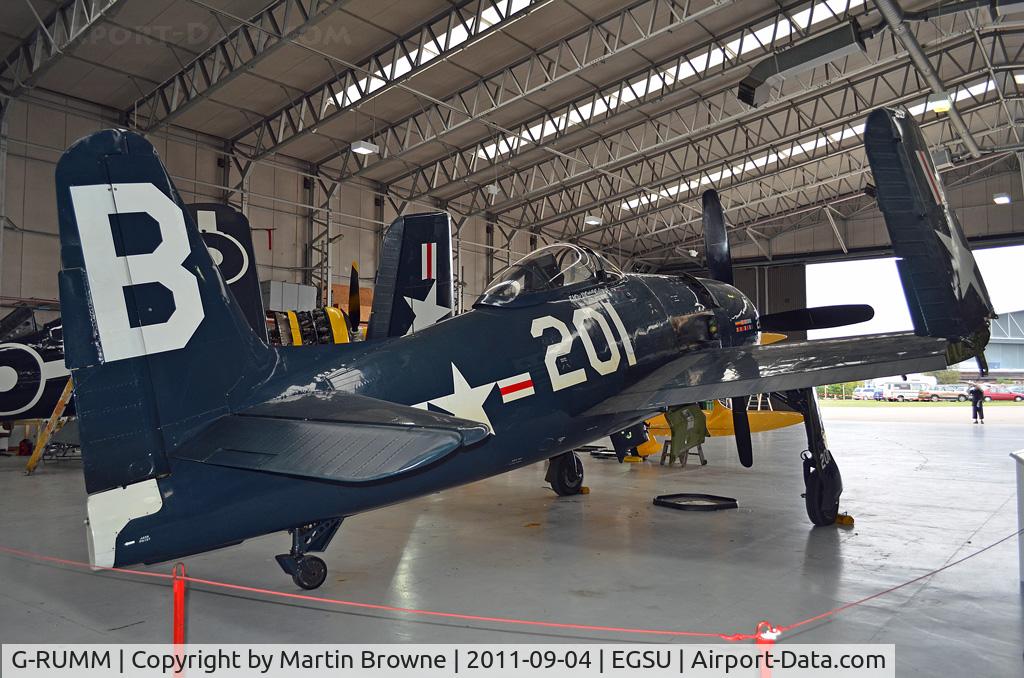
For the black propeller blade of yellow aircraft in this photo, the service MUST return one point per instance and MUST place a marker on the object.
(741, 425)
(354, 308)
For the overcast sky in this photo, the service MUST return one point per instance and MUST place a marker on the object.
(876, 282)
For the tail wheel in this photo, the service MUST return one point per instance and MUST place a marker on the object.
(565, 474)
(310, 573)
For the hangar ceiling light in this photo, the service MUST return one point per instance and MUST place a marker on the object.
(592, 220)
(1018, 77)
(364, 147)
(940, 103)
(781, 26)
(797, 148)
(1001, 198)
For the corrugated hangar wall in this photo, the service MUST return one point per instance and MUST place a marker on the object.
(775, 288)
(40, 127)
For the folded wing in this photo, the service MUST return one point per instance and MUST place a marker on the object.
(731, 372)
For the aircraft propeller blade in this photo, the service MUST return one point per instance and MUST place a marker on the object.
(354, 309)
(716, 238)
(716, 247)
(817, 318)
(741, 427)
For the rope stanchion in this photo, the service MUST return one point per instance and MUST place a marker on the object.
(766, 635)
(178, 578)
(178, 588)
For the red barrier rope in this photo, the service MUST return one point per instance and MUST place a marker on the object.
(765, 633)
(472, 617)
(836, 610)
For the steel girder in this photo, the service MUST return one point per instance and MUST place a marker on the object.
(232, 55)
(455, 173)
(693, 155)
(812, 182)
(47, 43)
(551, 181)
(439, 38)
(759, 196)
(618, 33)
(321, 239)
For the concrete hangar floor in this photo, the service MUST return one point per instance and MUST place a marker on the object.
(925, 486)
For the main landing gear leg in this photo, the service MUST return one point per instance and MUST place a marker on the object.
(822, 481)
(565, 474)
(307, 571)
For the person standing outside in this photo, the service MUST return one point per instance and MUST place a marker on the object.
(977, 395)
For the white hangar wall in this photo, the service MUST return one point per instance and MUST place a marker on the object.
(41, 126)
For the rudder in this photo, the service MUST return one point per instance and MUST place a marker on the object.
(414, 287)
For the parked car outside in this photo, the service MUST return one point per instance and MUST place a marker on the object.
(943, 392)
(864, 393)
(905, 391)
(1002, 393)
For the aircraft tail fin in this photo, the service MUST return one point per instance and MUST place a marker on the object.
(228, 234)
(944, 288)
(157, 345)
(414, 287)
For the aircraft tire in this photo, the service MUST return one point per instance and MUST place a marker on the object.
(310, 573)
(566, 474)
(820, 497)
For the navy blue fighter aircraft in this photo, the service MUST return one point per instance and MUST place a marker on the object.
(196, 434)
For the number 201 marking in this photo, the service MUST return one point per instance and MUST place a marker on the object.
(562, 347)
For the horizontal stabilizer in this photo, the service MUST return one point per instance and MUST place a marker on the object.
(332, 436)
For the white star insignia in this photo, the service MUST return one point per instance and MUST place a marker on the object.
(960, 254)
(427, 312)
(465, 402)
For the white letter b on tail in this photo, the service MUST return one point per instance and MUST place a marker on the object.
(111, 273)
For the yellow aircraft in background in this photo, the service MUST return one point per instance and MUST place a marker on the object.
(719, 419)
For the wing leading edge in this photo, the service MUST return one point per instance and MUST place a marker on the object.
(711, 373)
(332, 436)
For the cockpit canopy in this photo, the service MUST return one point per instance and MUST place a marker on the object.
(547, 273)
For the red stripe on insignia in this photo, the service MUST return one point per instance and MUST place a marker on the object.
(512, 388)
(430, 261)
